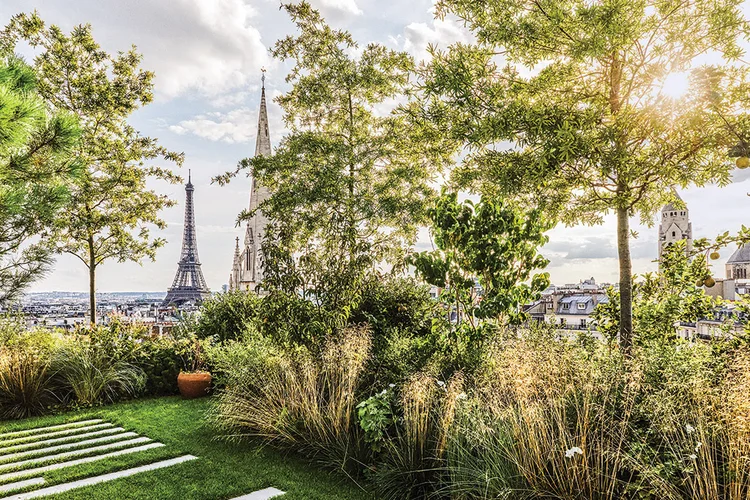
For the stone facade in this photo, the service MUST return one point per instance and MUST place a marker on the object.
(675, 226)
(247, 269)
(738, 265)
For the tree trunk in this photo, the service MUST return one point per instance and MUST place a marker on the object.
(92, 282)
(626, 280)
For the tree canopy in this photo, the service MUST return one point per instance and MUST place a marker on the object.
(349, 173)
(563, 104)
(111, 208)
(36, 171)
(491, 242)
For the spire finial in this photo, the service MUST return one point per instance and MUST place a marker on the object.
(263, 77)
(189, 177)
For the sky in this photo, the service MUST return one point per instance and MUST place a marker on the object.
(207, 56)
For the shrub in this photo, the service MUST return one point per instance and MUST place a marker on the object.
(297, 400)
(227, 316)
(413, 463)
(92, 376)
(26, 384)
(160, 363)
(26, 378)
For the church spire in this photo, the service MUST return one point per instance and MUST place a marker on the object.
(263, 139)
(248, 261)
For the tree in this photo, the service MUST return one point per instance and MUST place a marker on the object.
(111, 207)
(584, 105)
(347, 175)
(660, 300)
(491, 242)
(35, 172)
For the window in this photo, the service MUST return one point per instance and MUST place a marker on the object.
(566, 306)
(581, 305)
(673, 234)
(562, 321)
(583, 322)
(549, 305)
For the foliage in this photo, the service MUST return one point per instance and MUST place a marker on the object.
(583, 103)
(300, 401)
(412, 466)
(36, 170)
(43, 370)
(157, 356)
(227, 316)
(93, 377)
(111, 207)
(192, 353)
(375, 417)
(347, 175)
(674, 294)
(492, 242)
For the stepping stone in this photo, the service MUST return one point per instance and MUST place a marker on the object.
(60, 488)
(68, 454)
(66, 446)
(72, 463)
(7, 435)
(21, 484)
(261, 494)
(68, 432)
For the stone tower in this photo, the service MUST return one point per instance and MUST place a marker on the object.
(189, 284)
(247, 269)
(738, 265)
(675, 225)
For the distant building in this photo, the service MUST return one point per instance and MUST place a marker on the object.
(570, 307)
(247, 271)
(675, 226)
(726, 321)
(738, 265)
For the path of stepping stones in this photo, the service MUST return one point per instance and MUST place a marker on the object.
(25, 456)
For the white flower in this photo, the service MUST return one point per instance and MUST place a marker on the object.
(693, 457)
(383, 392)
(461, 396)
(440, 383)
(689, 428)
(698, 446)
(391, 385)
(572, 452)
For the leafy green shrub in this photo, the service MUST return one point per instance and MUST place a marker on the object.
(132, 343)
(375, 417)
(160, 363)
(227, 316)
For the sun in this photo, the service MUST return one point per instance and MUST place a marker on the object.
(676, 84)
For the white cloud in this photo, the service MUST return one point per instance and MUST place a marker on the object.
(235, 126)
(339, 6)
(208, 47)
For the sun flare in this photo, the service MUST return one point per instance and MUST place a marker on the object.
(676, 84)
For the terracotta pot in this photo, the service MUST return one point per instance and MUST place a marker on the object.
(193, 385)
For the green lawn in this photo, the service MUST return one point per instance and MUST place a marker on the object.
(222, 470)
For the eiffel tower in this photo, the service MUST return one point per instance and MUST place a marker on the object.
(189, 284)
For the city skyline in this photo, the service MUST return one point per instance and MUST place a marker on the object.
(207, 59)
